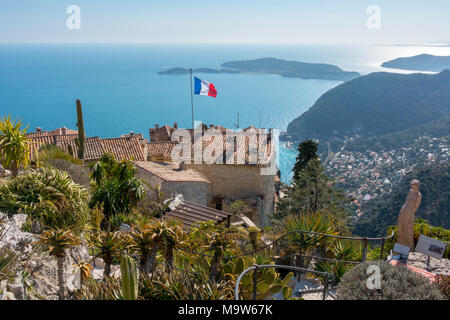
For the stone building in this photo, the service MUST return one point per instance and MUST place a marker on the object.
(227, 182)
(174, 180)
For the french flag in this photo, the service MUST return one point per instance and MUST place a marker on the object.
(204, 88)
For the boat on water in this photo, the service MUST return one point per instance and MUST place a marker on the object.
(288, 145)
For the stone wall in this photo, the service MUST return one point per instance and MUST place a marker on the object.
(197, 192)
(240, 182)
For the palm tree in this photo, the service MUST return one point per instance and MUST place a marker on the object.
(58, 241)
(155, 230)
(171, 237)
(14, 144)
(142, 243)
(108, 244)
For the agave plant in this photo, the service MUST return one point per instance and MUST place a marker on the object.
(269, 281)
(85, 269)
(7, 258)
(14, 144)
(57, 242)
(343, 250)
(315, 222)
(48, 196)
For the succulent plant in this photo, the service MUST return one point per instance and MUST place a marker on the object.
(269, 281)
(129, 278)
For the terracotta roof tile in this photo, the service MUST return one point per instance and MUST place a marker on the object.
(160, 149)
(124, 148)
(93, 147)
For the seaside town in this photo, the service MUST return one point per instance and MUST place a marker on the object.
(223, 156)
(367, 175)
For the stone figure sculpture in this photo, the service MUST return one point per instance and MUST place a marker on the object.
(406, 216)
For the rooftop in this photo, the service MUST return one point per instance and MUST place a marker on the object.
(191, 214)
(171, 172)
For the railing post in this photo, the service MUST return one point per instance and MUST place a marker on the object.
(382, 248)
(364, 254)
(325, 286)
(255, 281)
(301, 250)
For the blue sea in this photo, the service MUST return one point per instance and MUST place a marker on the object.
(121, 91)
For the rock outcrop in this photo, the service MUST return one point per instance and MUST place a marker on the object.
(35, 271)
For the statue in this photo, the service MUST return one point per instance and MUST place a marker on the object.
(406, 216)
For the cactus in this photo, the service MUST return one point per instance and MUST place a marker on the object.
(268, 281)
(81, 135)
(129, 277)
(70, 149)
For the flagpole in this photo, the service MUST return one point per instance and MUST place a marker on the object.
(192, 100)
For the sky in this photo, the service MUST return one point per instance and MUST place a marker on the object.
(226, 21)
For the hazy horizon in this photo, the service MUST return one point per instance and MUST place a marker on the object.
(214, 22)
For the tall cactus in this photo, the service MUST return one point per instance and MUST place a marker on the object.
(130, 278)
(81, 135)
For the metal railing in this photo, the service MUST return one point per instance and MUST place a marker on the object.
(256, 267)
(365, 241)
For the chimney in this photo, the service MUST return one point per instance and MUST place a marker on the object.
(175, 125)
(182, 166)
(63, 130)
(131, 133)
(38, 129)
(156, 126)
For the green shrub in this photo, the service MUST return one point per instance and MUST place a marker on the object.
(50, 152)
(397, 283)
(48, 196)
(443, 282)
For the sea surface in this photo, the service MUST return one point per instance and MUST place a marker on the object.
(121, 91)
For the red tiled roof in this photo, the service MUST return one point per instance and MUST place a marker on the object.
(120, 148)
(93, 149)
(124, 148)
(160, 149)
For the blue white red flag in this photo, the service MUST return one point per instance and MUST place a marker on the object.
(204, 88)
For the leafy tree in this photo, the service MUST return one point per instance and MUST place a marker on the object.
(115, 186)
(108, 245)
(311, 192)
(14, 144)
(307, 150)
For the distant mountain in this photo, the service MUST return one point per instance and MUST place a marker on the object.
(293, 69)
(422, 62)
(275, 66)
(374, 105)
(435, 206)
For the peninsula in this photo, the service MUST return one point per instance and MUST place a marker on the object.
(284, 68)
(422, 62)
